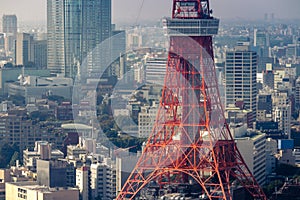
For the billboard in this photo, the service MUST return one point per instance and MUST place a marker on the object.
(285, 144)
(186, 9)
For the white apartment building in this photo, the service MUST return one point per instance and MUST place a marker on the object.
(103, 180)
(82, 182)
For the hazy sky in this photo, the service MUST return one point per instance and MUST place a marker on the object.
(128, 10)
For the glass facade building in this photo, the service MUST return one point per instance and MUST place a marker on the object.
(75, 28)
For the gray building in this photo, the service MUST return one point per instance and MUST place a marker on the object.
(9, 24)
(55, 173)
(240, 79)
(40, 54)
(9, 28)
(11, 74)
(55, 39)
(74, 29)
(264, 107)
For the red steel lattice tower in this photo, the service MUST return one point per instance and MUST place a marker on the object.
(190, 139)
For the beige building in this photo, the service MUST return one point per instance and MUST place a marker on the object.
(4, 177)
(24, 49)
(253, 149)
(146, 120)
(33, 191)
(42, 150)
(82, 182)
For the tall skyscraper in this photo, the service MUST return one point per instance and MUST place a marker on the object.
(240, 76)
(261, 38)
(75, 28)
(9, 24)
(55, 38)
(9, 28)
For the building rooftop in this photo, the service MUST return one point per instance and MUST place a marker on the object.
(32, 185)
(76, 126)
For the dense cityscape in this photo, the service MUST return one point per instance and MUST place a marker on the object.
(80, 97)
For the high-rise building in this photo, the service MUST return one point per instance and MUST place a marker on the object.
(55, 38)
(75, 28)
(261, 46)
(40, 54)
(261, 38)
(9, 28)
(240, 78)
(24, 49)
(297, 92)
(9, 24)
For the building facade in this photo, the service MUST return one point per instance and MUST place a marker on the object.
(240, 78)
(33, 191)
(9, 28)
(253, 151)
(83, 182)
(103, 181)
(24, 49)
(75, 28)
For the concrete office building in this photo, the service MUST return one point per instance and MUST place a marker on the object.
(34, 191)
(264, 107)
(240, 78)
(42, 150)
(253, 150)
(124, 167)
(11, 74)
(33, 87)
(155, 70)
(55, 173)
(40, 54)
(146, 120)
(24, 49)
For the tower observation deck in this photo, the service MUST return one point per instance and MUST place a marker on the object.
(190, 141)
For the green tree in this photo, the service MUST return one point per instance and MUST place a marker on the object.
(56, 98)
(14, 158)
(18, 100)
(6, 153)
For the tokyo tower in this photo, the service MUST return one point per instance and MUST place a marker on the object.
(190, 140)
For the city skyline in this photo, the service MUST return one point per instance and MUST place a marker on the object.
(230, 9)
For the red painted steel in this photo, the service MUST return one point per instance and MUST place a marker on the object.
(190, 138)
